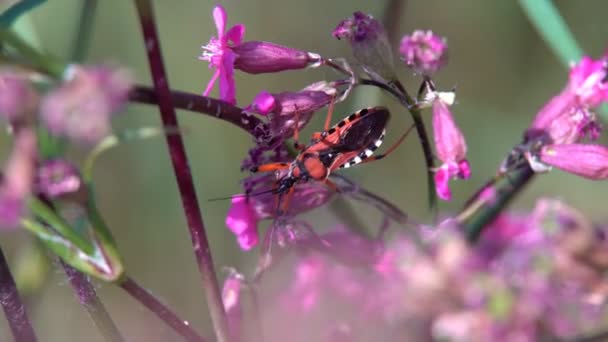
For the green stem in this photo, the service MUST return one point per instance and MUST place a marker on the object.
(553, 29)
(86, 295)
(48, 215)
(43, 63)
(481, 212)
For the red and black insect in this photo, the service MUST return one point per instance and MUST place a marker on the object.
(352, 141)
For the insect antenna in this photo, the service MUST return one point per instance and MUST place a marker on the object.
(243, 195)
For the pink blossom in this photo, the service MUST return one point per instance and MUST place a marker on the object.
(17, 97)
(231, 298)
(227, 52)
(243, 222)
(568, 117)
(451, 148)
(17, 179)
(82, 108)
(57, 177)
(423, 51)
(288, 110)
(588, 161)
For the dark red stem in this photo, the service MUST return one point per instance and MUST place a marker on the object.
(182, 171)
(87, 297)
(200, 104)
(13, 307)
(160, 310)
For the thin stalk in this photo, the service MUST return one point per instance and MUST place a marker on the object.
(80, 46)
(408, 102)
(13, 307)
(182, 172)
(160, 310)
(479, 213)
(87, 297)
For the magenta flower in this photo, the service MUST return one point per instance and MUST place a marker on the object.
(57, 177)
(82, 108)
(227, 52)
(568, 117)
(369, 44)
(17, 179)
(243, 222)
(450, 146)
(17, 97)
(424, 51)
(284, 108)
(588, 161)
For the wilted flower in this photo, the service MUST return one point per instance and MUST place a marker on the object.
(369, 44)
(227, 52)
(284, 109)
(245, 213)
(17, 96)
(17, 178)
(589, 161)
(81, 108)
(56, 178)
(423, 51)
(450, 146)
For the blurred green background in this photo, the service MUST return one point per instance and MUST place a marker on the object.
(502, 70)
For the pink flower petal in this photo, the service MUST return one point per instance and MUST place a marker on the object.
(226, 71)
(236, 34)
(220, 18)
(211, 82)
(442, 180)
(263, 103)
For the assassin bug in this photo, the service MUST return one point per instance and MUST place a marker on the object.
(352, 141)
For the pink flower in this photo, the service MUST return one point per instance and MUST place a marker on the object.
(231, 298)
(450, 146)
(227, 52)
(17, 97)
(82, 108)
(369, 44)
(243, 222)
(588, 161)
(284, 108)
(57, 177)
(568, 117)
(18, 178)
(423, 51)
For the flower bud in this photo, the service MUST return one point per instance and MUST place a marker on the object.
(369, 44)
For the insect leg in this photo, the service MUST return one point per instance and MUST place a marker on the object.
(392, 148)
(269, 167)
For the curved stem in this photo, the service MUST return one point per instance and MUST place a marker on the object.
(160, 310)
(182, 172)
(87, 297)
(13, 307)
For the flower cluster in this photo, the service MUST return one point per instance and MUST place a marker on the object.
(556, 136)
(79, 108)
(515, 285)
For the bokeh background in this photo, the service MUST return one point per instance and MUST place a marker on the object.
(502, 70)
